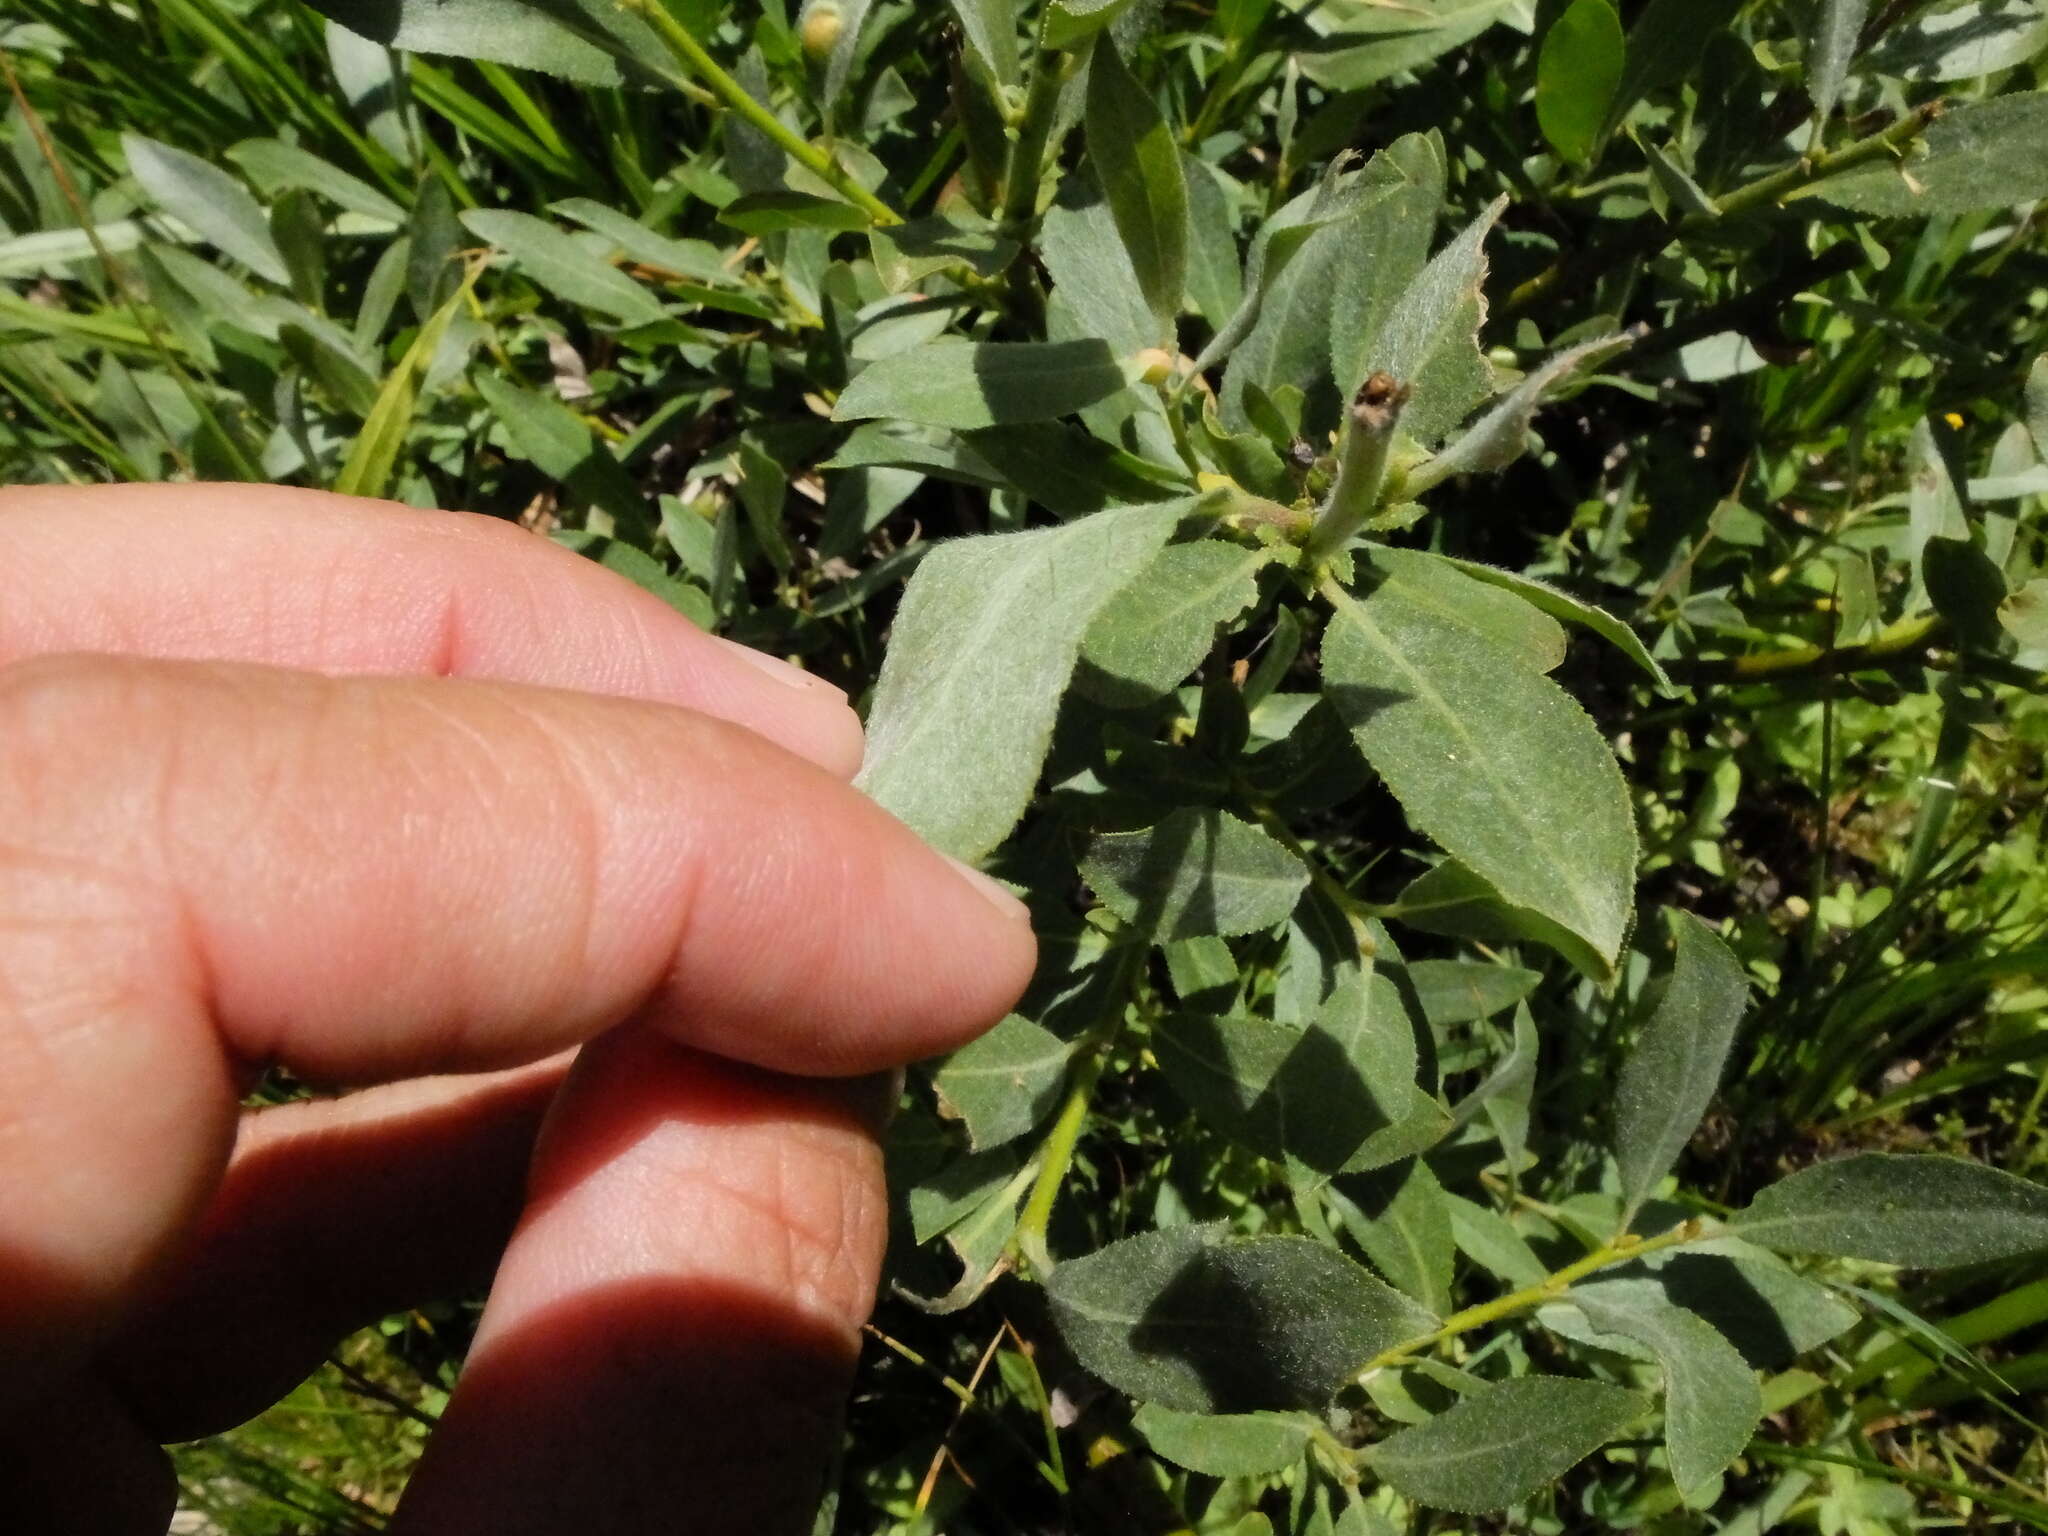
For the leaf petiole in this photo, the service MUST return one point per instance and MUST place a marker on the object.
(1091, 1056)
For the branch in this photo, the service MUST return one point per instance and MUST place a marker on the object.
(1902, 643)
(1650, 234)
(1759, 306)
(1050, 72)
(1622, 1250)
(690, 53)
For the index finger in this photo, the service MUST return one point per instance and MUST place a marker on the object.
(308, 579)
(209, 866)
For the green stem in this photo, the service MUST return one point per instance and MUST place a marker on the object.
(1621, 1251)
(1650, 234)
(690, 53)
(1177, 424)
(1901, 641)
(1228, 73)
(1357, 913)
(1050, 72)
(1804, 173)
(1057, 1153)
(1361, 466)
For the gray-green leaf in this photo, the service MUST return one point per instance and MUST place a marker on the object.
(1138, 164)
(1091, 274)
(1339, 1094)
(563, 265)
(1197, 872)
(1924, 1212)
(1459, 991)
(990, 27)
(1207, 1324)
(1567, 609)
(907, 254)
(1502, 1444)
(1671, 1076)
(1490, 759)
(1965, 42)
(983, 648)
(1830, 49)
(697, 259)
(1225, 1445)
(1215, 275)
(1430, 341)
(1326, 271)
(2024, 615)
(211, 201)
(776, 209)
(1003, 1084)
(1370, 40)
(1483, 612)
(1453, 901)
(1711, 1399)
(1988, 154)
(550, 436)
(1490, 1240)
(1771, 1315)
(966, 384)
(560, 37)
(1401, 1220)
(1157, 631)
(276, 166)
(1501, 436)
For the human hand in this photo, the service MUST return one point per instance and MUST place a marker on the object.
(383, 795)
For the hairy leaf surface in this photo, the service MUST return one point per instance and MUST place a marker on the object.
(1670, 1077)
(1156, 632)
(1003, 1084)
(1207, 1324)
(1488, 757)
(1711, 1400)
(1504, 1442)
(1196, 872)
(1226, 1445)
(966, 384)
(1925, 1212)
(985, 643)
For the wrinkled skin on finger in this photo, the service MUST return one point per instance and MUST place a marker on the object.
(410, 794)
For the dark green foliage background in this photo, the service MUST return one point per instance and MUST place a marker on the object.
(1792, 446)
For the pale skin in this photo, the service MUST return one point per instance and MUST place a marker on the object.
(416, 804)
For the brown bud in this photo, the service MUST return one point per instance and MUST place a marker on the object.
(1378, 402)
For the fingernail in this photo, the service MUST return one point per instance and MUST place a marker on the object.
(783, 672)
(997, 895)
